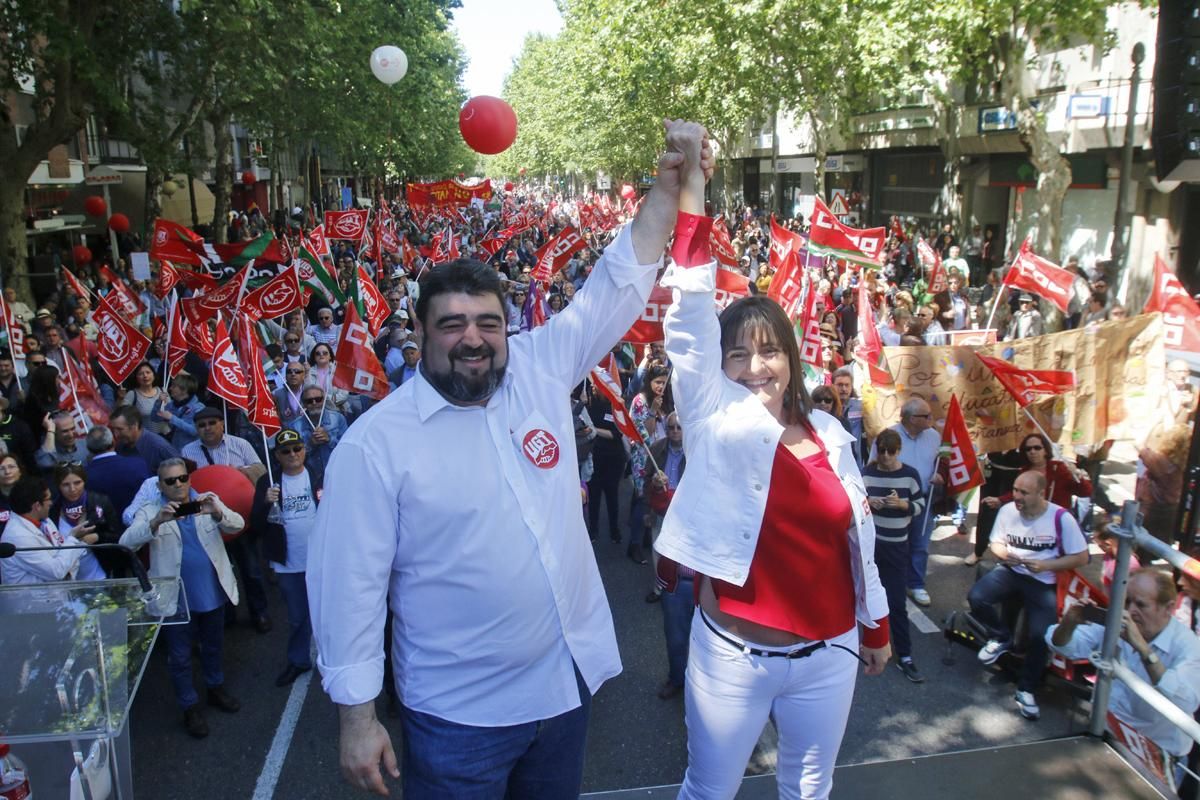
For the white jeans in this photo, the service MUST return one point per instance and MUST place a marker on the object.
(730, 695)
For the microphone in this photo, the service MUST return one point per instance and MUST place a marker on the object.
(8, 550)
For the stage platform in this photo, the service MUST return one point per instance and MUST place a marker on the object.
(1071, 768)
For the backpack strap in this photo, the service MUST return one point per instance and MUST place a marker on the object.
(1058, 534)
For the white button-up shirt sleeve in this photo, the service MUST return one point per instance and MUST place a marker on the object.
(574, 341)
(348, 572)
(694, 341)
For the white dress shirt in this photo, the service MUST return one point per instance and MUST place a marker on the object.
(470, 516)
(1179, 650)
(41, 566)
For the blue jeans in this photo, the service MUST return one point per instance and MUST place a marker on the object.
(1040, 600)
(295, 595)
(919, 532)
(892, 560)
(209, 628)
(678, 607)
(540, 760)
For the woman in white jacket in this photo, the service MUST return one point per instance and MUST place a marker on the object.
(773, 516)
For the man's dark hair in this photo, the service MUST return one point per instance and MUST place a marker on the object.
(26, 493)
(130, 414)
(464, 275)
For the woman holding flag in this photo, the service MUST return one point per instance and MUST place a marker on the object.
(773, 516)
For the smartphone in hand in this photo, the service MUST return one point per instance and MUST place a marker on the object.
(187, 509)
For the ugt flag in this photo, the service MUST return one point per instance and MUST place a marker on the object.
(964, 466)
(1025, 384)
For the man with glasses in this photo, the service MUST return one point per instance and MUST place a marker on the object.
(919, 449)
(188, 545)
(287, 398)
(1033, 539)
(293, 352)
(319, 426)
(325, 332)
(62, 443)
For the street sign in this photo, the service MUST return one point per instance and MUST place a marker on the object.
(104, 176)
(837, 204)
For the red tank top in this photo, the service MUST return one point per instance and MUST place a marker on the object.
(800, 579)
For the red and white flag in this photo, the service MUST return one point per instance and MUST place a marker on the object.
(932, 261)
(358, 369)
(964, 465)
(731, 285)
(262, 411)
(554, 254)
(1032, 273)
(130, 302)
(176, 243)
(603, 382)
(345, 224)
(75, 285)
(783, 244)
(648, 328)
(720, 244)
(120, 346)
(810, 330)
(373, 302)
(870, 347)
(829, 236)
(14, 332)
(202, 308)
(787, 284)
(1025, 384)
(177, 341)
(168, 278)
(226, 378)
(274, 298)
(1181, 314)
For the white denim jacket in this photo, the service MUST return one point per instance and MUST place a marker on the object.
(730, 440)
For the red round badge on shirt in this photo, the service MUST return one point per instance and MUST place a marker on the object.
(541, 448)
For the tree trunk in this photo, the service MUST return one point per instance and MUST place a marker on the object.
(1054, 178)
(13, 242)
(223, 174)
(820, 148)
(152, 206)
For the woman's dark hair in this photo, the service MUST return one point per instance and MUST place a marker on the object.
(63, 471)
(43, 385)
(826, 393)
(888, 439)
(653, 373)
(312, 354)
(766, 321)
(466, 276)
(1049, 451)
(132, 381)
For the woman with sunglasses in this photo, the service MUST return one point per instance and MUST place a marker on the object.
(773, 516)
(825, 399)
(321, 374)
(1062, 480)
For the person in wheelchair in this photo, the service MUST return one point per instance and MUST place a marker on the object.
(1033, 539)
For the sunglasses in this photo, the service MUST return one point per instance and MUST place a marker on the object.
(289, 451)
(825, 401)
(888, 451)
(291, 341)
(176, 479)
(295, 372)
(312, 401)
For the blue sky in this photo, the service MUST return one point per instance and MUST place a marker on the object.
(492, 31)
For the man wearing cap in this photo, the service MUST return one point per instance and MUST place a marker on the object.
(285, 541)
(1027, 322)
(410, 352)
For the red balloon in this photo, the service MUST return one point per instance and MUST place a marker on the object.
(119, 223)
(235, 490)
(628, 192)
(81, 254)
(488, 124)
(249, 178)
(508, 187)
(95, 206)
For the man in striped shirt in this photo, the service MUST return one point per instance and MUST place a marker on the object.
(894, 491)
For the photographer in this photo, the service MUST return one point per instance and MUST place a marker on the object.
(184, 531)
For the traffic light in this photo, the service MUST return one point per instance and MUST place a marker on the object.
(1176, 133)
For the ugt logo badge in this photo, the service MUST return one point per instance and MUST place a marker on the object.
(541, 448)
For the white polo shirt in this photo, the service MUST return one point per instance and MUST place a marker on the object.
(471, 518)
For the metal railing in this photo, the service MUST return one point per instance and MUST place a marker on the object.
(1130, 534)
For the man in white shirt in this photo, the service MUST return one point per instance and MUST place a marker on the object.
(472, 531)
(29, 525)
(1156, 647)
(325, 332)
(1032, 539)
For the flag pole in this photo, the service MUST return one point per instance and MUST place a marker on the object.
(87, 422)
(1054, 446)
(995, 304)
(12, 351)
(267, 448)
(167, 346)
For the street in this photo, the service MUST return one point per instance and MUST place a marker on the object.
(283, 743)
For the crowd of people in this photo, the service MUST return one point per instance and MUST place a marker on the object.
(462, 554)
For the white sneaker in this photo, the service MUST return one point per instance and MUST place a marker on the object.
(1027, 705)
(920, 597)
(992, 651)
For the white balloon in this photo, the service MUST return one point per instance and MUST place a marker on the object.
(389, 63)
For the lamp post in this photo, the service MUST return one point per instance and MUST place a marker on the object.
(1121, 218)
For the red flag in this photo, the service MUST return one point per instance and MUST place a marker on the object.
(168, 277)
(203, 308)
(609, 365)
(345, 224)
(79, 395)
(176, 243)
(810, 330)
(262, 411)
(1181, 314)
(870, 347)
(374, 304)
(203, 338)
(274, 298)
(75, 285)
(1024, 384)
(121, 347)
(13, 331)
(408, 254)
(829, 236)
(731, 285)
(604, 384)
(177, 341)
(649, 326)
(131, 303)
(261, 248)
(1032, 273)
(783, 244)
(318, 244)
(932, 261)
(554, 254)
(197, 281)
(964, 466)
(225, 378)
(787, 283)
(720, 245)
(358, 369)
(898, 231)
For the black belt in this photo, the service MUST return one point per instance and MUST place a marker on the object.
(799, 652)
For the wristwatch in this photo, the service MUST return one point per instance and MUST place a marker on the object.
(1151, 658)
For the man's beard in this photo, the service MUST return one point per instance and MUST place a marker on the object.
(461, 388)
